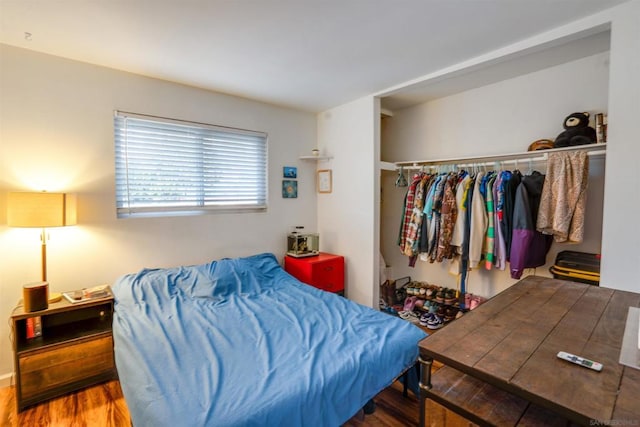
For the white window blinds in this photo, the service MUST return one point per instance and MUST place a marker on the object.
(170, 166)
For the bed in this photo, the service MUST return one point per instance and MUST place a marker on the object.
(240, 342)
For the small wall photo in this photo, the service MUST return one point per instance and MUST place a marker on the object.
(289, 189)
(289, 172)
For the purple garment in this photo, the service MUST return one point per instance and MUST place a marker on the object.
(528, 247)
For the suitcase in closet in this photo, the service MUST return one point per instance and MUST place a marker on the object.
(576, 266)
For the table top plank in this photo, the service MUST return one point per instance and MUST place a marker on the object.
(628, 398)
(610, 330)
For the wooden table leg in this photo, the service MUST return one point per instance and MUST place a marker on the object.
(425, 384)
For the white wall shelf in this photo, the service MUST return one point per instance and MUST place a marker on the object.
(316, 158)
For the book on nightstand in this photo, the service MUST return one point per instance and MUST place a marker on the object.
(87, 294)
(34, 327)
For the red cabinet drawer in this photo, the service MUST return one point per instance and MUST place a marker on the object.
(325, 271)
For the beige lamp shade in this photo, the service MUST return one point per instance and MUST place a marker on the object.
(41, 209)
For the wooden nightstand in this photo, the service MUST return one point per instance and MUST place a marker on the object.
(74, 351)
(324, 271)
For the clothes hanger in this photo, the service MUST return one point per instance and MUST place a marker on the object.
(401, 181)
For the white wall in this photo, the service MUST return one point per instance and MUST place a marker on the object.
(346, 217)
(621, 234)
(500, 118)
(56, 133)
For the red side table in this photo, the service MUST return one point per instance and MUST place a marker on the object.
(324, 271)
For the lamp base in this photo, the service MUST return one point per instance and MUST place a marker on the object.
(35, 296)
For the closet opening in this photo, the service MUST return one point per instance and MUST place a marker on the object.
(488, 126)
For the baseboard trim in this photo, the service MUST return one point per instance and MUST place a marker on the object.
(5, 380)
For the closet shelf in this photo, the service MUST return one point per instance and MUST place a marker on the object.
(591, 149)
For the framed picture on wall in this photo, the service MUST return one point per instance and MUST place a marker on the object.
(289, 172)
(324, 181)
(289, 189)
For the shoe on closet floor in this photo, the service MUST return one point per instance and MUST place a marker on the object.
(430, 293)
(450, 296)
(409, 316)
(476, 300)
(450, 313)
(435, 322)
(425, 318)
(410, 303)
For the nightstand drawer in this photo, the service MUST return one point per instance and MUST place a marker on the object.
(44, 371)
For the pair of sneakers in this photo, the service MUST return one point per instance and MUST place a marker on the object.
(431, 321)
(409, 316)
(472, 301)
(410, 303)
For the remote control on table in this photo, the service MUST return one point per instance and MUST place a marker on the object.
(580, 361)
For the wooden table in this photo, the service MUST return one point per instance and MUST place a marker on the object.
(512, 340)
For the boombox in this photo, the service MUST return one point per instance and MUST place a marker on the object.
(35, 296)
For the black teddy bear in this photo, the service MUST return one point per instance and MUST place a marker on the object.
(577, 131)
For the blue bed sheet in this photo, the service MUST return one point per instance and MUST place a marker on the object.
(239, 342)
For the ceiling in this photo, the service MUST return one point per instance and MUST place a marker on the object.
(310, 55)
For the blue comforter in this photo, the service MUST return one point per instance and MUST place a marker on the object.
(239, 342)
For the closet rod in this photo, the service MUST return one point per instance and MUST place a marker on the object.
(591, 149)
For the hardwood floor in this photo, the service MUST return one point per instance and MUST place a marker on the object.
(104, 406)
(101, 405)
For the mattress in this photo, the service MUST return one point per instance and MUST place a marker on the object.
(240, 342)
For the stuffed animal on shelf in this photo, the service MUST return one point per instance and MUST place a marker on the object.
(577, 131)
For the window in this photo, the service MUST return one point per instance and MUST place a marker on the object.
(166, 166)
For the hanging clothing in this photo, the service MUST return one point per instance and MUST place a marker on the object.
(415, 222)
(564, 196)
(510, 188)
(434, 232)
(490, 237)
(496, 217)
(423, 245)
(529, 247)
(448, 215)
(430, 219)
(500, 256)
(407, 211)
(460, 237)
(478, 223)
(461, 194)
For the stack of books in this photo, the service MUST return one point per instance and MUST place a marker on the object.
(88, 294)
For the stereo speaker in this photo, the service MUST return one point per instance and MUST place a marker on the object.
(35, 296)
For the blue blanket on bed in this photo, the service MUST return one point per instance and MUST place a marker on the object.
(239, 342)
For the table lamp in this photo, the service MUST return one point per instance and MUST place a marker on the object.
(41, 210)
